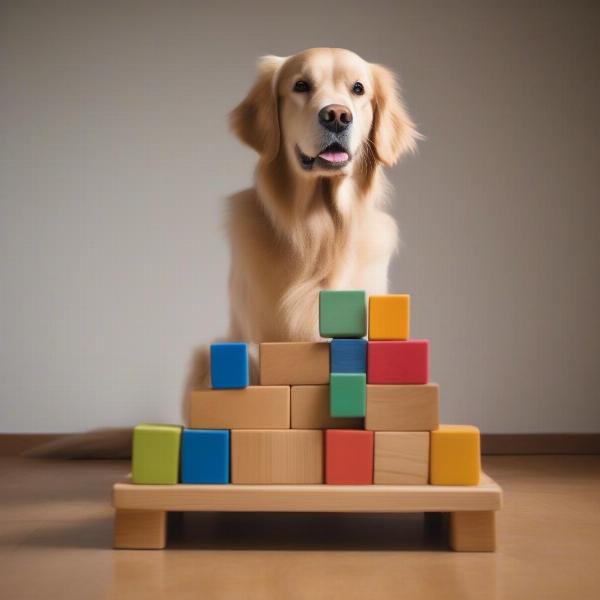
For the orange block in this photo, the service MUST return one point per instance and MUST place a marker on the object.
(389, 317)
(348, 456)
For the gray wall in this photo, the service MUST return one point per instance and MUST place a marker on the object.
(115, 158)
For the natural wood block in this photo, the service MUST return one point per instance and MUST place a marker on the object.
(455, 455)
(402, 407)
(254, 407)
(389, 317)
(401, 458)
(140, 529)
(310, 410)
(348, 457)
(473, 531)
(309, 498)
(294, 363)
(262, 456)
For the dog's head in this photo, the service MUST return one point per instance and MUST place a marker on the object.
(327, 109)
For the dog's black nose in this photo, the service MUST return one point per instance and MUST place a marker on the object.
(335, 117)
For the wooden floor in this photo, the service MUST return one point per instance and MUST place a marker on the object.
(56, 534)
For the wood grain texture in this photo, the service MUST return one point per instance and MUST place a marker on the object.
(294, 363)
(402, 407)
(401, 458)
(254, 407)
(473, 531)
(310, 410)
(310, 498)
(294, 456)
(140, 529)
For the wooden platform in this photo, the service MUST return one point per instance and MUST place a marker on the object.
(141, 510)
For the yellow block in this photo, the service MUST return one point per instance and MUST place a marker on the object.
(389, 317)
(455, 455)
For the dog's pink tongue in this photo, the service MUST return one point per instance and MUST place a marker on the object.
(334, 157)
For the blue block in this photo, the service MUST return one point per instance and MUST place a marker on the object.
(205, 456)
(229, 365)
(348, 356)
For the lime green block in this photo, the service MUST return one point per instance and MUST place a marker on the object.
(156, 454)
(347, 394)
(342, 314)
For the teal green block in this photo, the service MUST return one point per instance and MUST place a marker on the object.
(347, 394)
(342, 313)
(155, 458)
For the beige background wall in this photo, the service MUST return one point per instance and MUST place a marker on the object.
(115, 158)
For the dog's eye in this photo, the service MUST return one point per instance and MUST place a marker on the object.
(301, 86)
(358, 88)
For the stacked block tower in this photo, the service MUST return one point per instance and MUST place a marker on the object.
(344, 411)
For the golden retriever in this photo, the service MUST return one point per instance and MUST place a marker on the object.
(324, 122)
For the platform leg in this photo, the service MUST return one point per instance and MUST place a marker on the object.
(140, 529)
(473, 531)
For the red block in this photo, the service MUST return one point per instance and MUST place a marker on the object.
(348, 456)
(398, 362)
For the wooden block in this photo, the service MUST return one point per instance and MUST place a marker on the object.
(473, 531)
(294, 363)
(401, 458)
(404, 362)
(403, 407)
(348, 356)
(348, 457)
(263, 456)
(455, 455)
(143, 529)
(155, 454)
(255, 407)
(229, 365)
(342, 313)
(347, 394)
(205, 456)
(310, 410)
(389, 317)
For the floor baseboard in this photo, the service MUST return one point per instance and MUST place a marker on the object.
(13, 444)
(540, 443)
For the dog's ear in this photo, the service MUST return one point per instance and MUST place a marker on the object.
(256, 120)
(393, 133)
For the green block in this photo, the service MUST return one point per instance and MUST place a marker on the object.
(347, 394)
(155, 456)
(342, 314)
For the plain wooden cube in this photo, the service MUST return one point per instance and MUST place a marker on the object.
(254, 407)
(402, 407)
(294, 456)
(310, 410)
(401, 457)
(294, 363)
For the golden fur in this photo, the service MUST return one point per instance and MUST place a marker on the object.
(297, 232)
(293, 234)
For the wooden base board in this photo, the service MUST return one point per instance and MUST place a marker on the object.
(466, 534)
